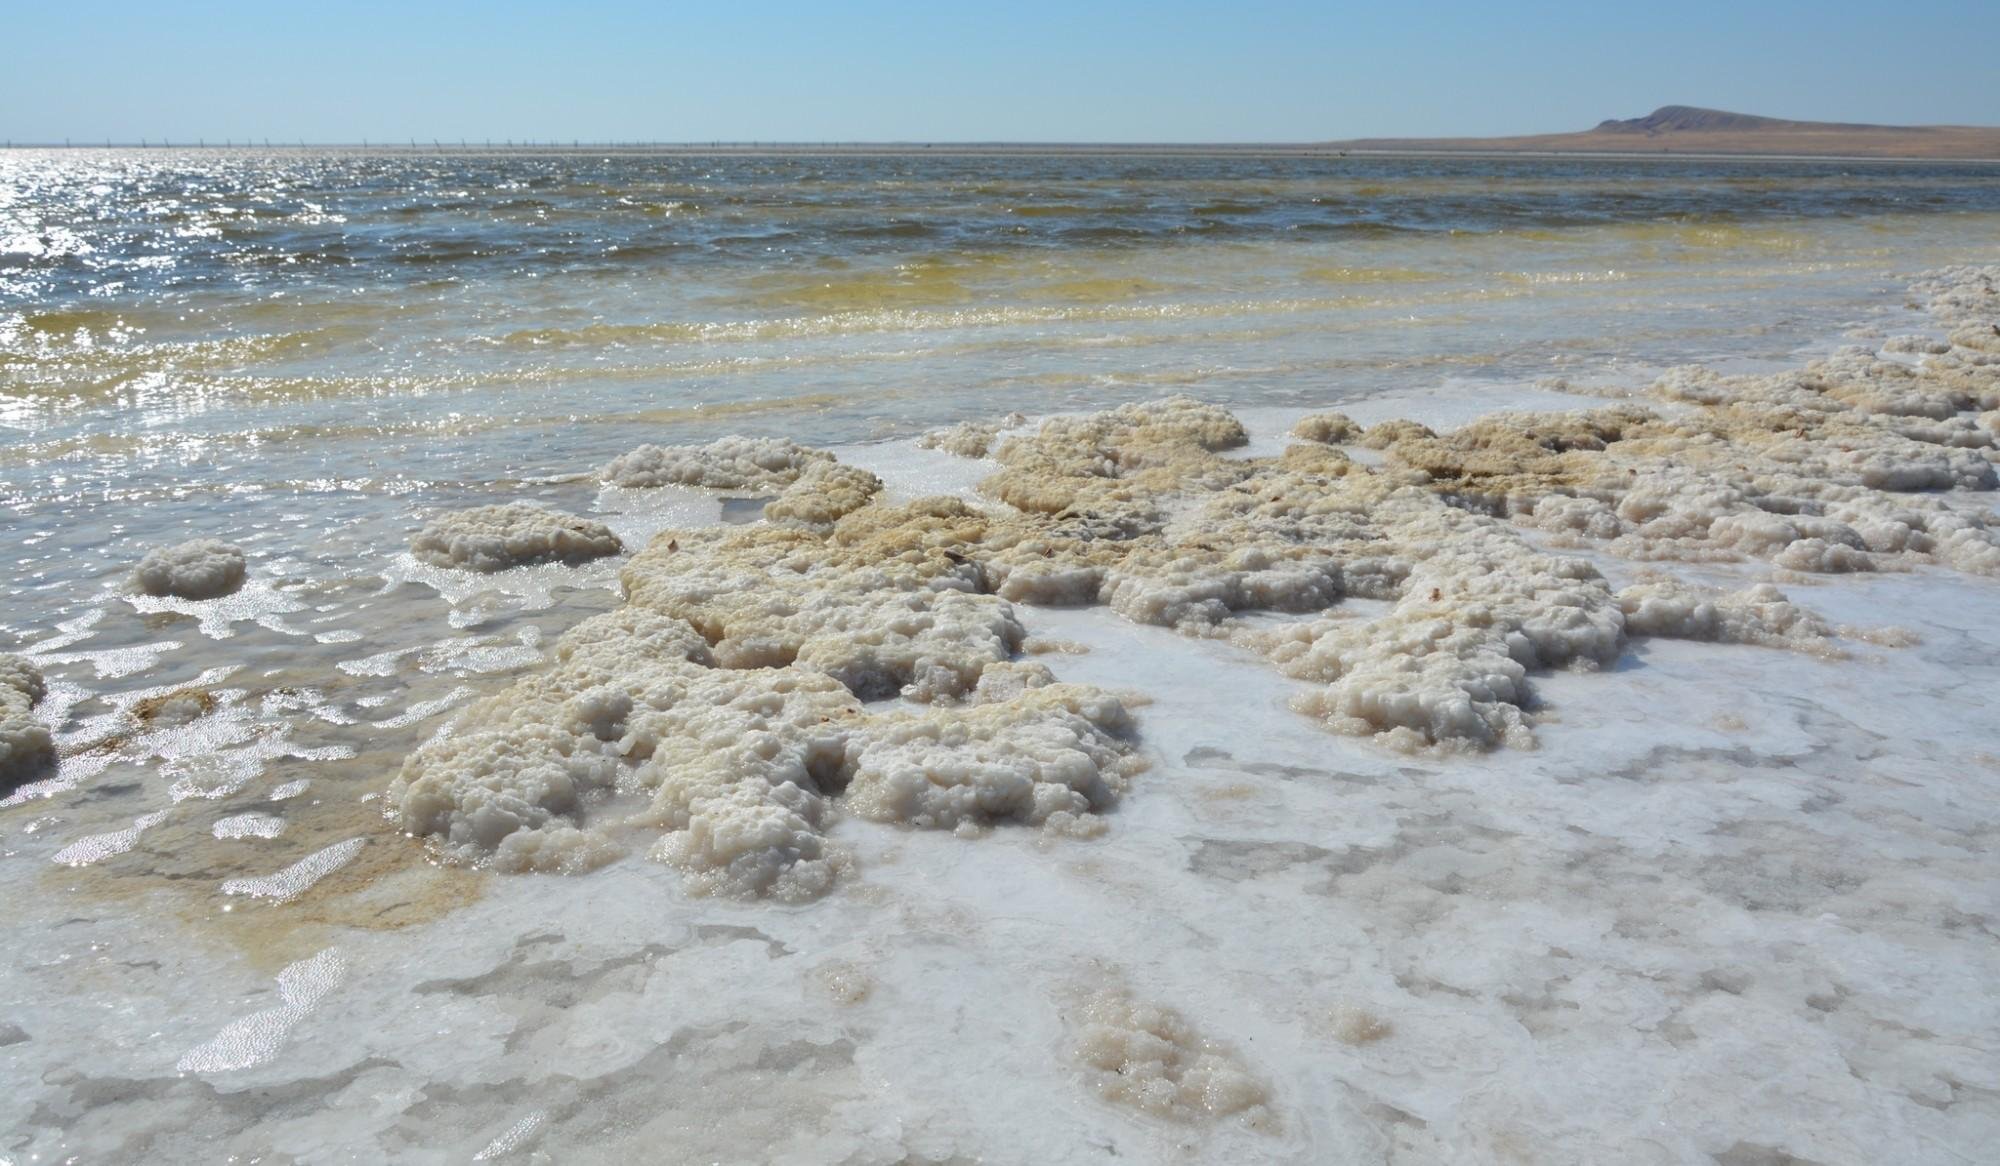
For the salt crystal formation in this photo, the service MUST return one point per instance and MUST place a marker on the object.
(1330, 428)
(729, 692)
(25, 744)
(1151, 1059)
(971, 439)
(202, 568)
(727, 695)
(730, 463)
(513, 534)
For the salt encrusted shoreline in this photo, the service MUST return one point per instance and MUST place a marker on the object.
(730, 692)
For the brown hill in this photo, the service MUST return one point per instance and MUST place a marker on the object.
(1687, 129)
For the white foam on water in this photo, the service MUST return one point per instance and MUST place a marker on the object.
(258, 1037)
(514, 1138)
(249, 826)
(424, 710)
(98, 847)
(260, 601)
(298, 878)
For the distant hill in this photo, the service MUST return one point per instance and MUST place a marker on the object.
(1688, 129)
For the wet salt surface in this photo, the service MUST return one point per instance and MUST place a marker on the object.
(1735, 908)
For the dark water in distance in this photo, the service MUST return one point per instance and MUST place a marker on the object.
(173, 223)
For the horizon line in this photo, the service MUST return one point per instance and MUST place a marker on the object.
(621, 143)
(1330, 148)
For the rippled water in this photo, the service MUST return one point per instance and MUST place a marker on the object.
(308, 354)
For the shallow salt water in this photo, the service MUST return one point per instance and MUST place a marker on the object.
(1736, 907)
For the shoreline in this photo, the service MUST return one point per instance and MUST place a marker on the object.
(994, 149)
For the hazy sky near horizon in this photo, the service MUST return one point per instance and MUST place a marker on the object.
(1031, 70)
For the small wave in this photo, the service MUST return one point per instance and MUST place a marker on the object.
(894, 229)
(1054, 210)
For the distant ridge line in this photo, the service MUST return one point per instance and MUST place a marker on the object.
(1693, 129)
(1694, 119)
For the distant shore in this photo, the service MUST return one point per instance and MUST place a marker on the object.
(1376, 149)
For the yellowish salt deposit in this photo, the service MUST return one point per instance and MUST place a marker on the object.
(1330, 428)
(1150, 1058)
(511, 534)
(971, 439)
(731, 463)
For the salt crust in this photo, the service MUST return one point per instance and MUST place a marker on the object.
(729, 691)
(512, 534)
(729, 463)
(970, 439)
(1151, 1059)
(25, 743)
(738, 766)
(1755, 615)
(1329, 428)
(202, 568)
(823, 493)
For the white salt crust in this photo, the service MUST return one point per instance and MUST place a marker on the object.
(25, 744)
(729, 463)
(1329, 428)
(970, 439)
(511, 534)
(1149, 1058)
(738, 765)
(202, 568)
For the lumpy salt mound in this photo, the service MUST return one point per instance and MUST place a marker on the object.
(727, 713)
(1756, 615)
(512, 534)
(823, 493)
(1329, 428)
(1151, 1059)
(202, 568)
(970, 439)
(25, 743)
(721, 711)
(729, 463)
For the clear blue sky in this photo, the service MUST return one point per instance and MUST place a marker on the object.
(1021, 70)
